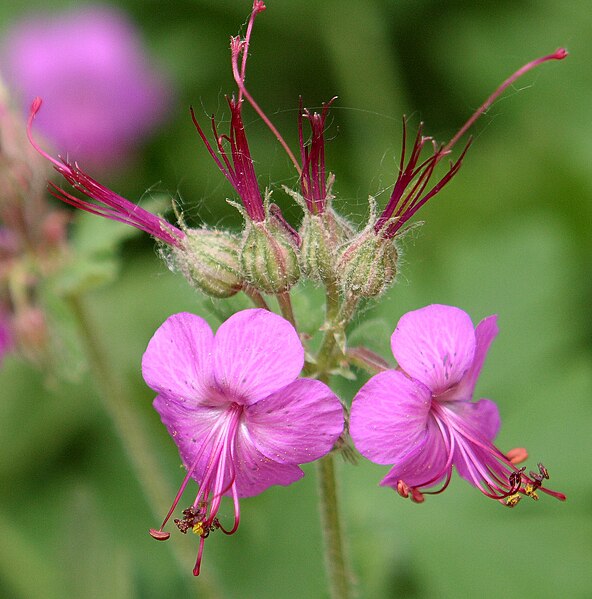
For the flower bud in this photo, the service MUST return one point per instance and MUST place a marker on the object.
(322, 236)
(269, 256)
(368, 265)
(209, 260)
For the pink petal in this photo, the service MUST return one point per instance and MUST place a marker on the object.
(389, 417)
(435, 345)
(481, 417)
(189, 427)
(177, 362)
(296, 424)
(425, 466)
(485, 333)
(256, 352)
(256, 472)
(482, 421)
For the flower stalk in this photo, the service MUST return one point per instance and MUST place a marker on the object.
(338, 571)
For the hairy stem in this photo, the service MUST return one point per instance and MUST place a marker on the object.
(337, 319)
(285, 303)
(339, 577)
(366, 359)
(338, 314)
(255, 297)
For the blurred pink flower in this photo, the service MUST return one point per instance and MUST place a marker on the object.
(100, 92)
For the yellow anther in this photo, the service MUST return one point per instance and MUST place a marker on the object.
(530, 490)
(198, 528)
(513, 500)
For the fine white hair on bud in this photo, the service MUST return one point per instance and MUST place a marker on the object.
(209, 260)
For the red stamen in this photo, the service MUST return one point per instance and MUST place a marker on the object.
(202, 515)
(240, 172)
(313, 176)
(108, 203)
(404, 202)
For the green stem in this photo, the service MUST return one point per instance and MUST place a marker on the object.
(132, 434)
(285, 303)
(255, 297)
(338, 317)
(340, 579)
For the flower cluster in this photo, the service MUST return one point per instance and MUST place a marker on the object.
(233, 402)
(270, 256)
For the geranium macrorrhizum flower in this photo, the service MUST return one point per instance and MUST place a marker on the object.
(234, 406)
(422, 418)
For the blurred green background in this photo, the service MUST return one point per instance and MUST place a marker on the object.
(510, 235)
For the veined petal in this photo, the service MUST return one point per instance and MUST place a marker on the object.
(178, 360)
(481, 421)
(425, 466)
(435, 345)
(485, 332)
(256, 352)
(389, 417)
(256, 472)
(481, 416)
(190, 427)
(296, 424)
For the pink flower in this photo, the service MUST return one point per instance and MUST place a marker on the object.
(89, 66)
(234, 406)
(422, 419)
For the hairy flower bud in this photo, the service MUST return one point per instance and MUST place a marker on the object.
(322, 235)
(368, 265)
(269, 257)
(209, 260)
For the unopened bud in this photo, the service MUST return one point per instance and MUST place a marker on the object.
(322, 236)
(368, 265)
(209, 260)
(269, 257)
